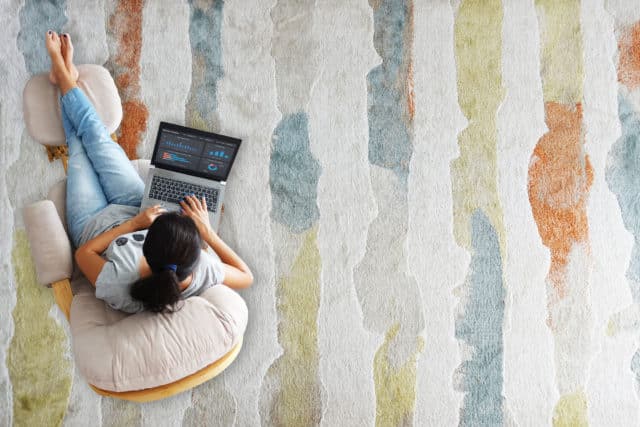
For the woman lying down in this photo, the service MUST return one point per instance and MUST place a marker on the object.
(137, 261)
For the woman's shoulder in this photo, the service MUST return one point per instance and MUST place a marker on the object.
(137, 236)
(127, 247)
(208, 272)
(211, 255)
(208, 259)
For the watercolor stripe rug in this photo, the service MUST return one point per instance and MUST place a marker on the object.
(440, 202)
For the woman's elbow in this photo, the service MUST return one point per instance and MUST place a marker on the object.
(245, 281)
(249, 279)
(77, 256)
(84, 263)
(237, 278)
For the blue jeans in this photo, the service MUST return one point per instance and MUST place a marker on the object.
(99, 172)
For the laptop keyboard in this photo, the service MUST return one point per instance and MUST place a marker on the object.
(171, 190)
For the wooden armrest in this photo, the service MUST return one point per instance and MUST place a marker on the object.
(63, 295)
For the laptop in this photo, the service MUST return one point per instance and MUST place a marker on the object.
(189, 161)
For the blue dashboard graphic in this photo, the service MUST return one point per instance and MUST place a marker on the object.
(218, 154)
(172, 157)
(181, 146)
(209, 157)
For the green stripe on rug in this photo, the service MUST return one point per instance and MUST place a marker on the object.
(571, 410)
(478, 48)
(39, 371)
(395, 386)
(293, 380)
(561, 53)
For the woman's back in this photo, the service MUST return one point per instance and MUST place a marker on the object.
(125, 263)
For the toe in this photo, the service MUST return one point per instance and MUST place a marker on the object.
(51, 42)
(67, 39)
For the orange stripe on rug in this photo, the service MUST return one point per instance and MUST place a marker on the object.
(560, 176)
(125, 24)
(629, 59)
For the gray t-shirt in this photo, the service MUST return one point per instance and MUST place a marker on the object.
(122, 270)
(108, 218)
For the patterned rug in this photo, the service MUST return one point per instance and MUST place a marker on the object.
(439, 201)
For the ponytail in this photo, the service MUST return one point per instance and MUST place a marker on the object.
(172, 249)
(159, 293)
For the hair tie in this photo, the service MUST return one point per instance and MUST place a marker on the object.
(170, 267)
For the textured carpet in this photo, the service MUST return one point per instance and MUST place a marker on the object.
(440, 202)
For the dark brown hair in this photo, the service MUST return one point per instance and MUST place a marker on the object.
(172, 242)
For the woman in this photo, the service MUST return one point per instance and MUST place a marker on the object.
(136, 260)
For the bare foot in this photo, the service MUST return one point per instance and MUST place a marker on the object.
(59, 74)
(67, 55)
(52, 41)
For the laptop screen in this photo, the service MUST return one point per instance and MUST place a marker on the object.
(194, 152)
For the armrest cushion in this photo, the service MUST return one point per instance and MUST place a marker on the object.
(50, 246)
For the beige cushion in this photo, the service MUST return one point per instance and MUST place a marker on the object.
(50, 246)
(118, 351)
(41, 103)
(121, 352)
(58, 194)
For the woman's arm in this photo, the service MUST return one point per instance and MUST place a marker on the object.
(88, 255)
(237, 274)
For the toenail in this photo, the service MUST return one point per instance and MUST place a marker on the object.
(49, 32)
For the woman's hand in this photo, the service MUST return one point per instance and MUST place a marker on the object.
(196, 209)
(145, 218)
(236, 272)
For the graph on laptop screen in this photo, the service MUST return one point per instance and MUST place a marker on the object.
(207, 156)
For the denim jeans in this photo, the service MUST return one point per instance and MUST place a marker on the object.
(99, 172)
